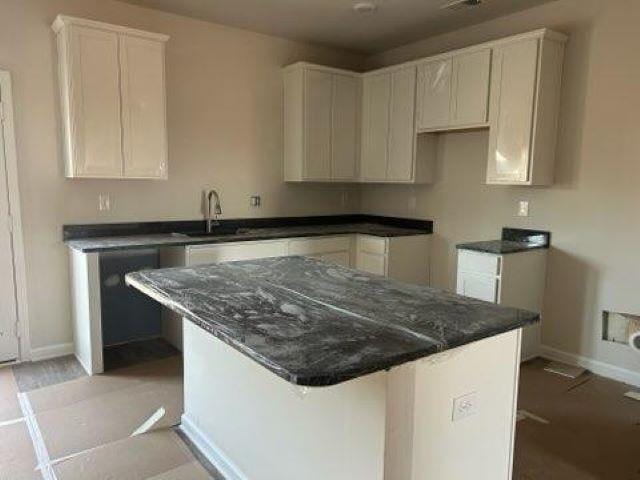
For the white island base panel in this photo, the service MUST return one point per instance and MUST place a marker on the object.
(253, 425)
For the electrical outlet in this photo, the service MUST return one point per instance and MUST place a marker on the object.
(465, 406)
(523, 208)
(344, 198)
(255, 200)
(104, 202)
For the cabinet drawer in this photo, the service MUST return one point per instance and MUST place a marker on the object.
(340, 258)
(377, 245)
(485, 263)
(229, 252)
(478, 286)
(310, 246)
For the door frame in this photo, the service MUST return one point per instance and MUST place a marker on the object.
(11, 159)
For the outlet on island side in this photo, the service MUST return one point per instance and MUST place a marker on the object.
(465, 406)
(104, 202)
(255, 200)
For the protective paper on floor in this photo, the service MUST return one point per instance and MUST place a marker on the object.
(17, 457)
(105, 418)
(593, 430)
(9, 405)
(156, 455)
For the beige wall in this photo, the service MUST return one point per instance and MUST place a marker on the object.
(225, 129)
(593, 207)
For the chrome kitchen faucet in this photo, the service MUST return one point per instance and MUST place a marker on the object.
(212, 220)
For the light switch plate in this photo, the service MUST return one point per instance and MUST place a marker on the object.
(465, 406)
(255, 200)
(523, 208)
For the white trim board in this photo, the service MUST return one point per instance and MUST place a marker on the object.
(211, 452)
(11, 159)
(608, 370)
(52, 351)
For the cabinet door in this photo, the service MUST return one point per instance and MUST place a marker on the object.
(340, 258)
(434, 94)
(94, 103)
(344, 123)
(481, 287)
(318, 99)
(377, 96)
(470, 88)
(371, 263)
(513, 87)
(402, 132)
(143, 108)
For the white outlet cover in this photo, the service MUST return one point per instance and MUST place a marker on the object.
(523, 208)
(104, 202)
(465, 406)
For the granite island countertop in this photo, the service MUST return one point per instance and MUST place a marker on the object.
(152, 240)
(513, 240)
(317, 324)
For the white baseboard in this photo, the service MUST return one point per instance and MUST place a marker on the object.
(51, 351)
(596, 366)
(212, 453)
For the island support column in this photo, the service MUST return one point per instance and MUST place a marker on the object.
(252, 424)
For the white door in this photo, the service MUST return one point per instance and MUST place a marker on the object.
(471, 88)
(513, 89)
(318, 95)
(8, 313)
(434, 94)
(344, 125)
(143, 108)
(402, 125)
(375, 119)
(95, 84)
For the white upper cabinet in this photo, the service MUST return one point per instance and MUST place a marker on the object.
(525, 93)
(375, 126)
(345, 127)
(113, 100)
(390, 118)
(321, 123)
(389, 149)
(143, 108)
(469, 102)
(434, 94)
(453, 91)
(402, 133)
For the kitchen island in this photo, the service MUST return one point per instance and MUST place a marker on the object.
(296, 368)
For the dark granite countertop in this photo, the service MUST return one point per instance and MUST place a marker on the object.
(127, 242)
(317, 324)
(513, 240)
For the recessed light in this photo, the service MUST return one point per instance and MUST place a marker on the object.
(364, 7)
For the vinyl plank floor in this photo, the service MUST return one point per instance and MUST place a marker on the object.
(127, 354)
(33, 375)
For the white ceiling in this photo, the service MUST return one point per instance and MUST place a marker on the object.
(334, 23)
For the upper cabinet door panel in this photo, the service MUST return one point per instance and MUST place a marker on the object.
(513, 88)
(434, 94)
(143, 108)
(377, 97)
(345, 128)
(94, 103)
(319, 91)
(402, 131)
(471, 88)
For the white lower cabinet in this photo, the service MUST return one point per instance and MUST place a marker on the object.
(515, 280)
(228, 252)
(330, 249)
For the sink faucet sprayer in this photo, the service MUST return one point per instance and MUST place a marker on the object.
(212, 220)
